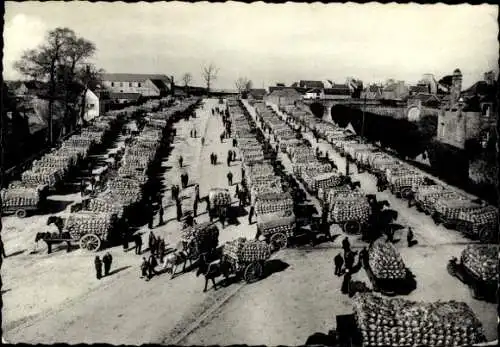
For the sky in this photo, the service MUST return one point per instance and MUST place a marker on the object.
(268, 43)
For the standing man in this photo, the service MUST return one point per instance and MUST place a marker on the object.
(144, 268)
(179, 210)
(161, 251)
(107, 260)
(349, 259)
(215, 159)
(124, 240)
(180, 161)
(230, 178)
(235, 142)
(346, 246)
(338, 261)
(250, 214)
(222, 216)
(346, 281)
(410, 237)
(98, 267)
(138, 243)
(162, 212)
(202, 141)
(153, 263)
(2, 248)
(152, 242)
(197, 192)
(221, 138)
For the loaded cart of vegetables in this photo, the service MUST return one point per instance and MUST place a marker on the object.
(399, 322)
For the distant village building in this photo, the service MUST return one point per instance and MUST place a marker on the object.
(315, 93)
(311, 84)
(372, 92)
(395, 91)
(338, 92)
(145, 85)
(283, 96)
(466, 115)
(256, 94)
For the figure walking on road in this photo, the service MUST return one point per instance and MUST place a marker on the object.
(162, 212)
(346, 246)
(250, 214)
(162, 250)
(235, 142)
(138, 244)
(346, 282)
(124, 236)
(338, 261)
(98, 267)
(179, 210)
(144, 268)
(202, 141)
(107, 260)
(222, 138)
(223, 216)
(152, 242)
(215, 159)
(197, 192)
(153, 263)
(180, 161)
(410, 238)
(230, 178)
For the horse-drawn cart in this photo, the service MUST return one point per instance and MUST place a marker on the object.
(89, 229)
(200, 239)
(23, 199)
(246, 258)
(277, 228)
(350, 211)
(218, 199)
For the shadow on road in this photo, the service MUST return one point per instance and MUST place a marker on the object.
(274, 266)
(16, 253)
(120, 269)
(56, 206)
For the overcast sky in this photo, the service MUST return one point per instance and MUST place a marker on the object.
(268, 43)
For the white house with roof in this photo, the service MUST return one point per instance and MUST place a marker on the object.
(143, 84)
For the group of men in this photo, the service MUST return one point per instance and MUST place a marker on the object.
(345, 265)
(107, 259)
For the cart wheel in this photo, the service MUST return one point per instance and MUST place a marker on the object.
(352, 227)
(90, 242)
(406, 193)
(253, 272)
(279, 241)
(485, 234)
(21, 213)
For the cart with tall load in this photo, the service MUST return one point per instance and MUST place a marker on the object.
(89, 229)
(246, 258)
(385, 268)
(277, 228)
(481, 223)
(316, 181)
(350, 211)
(478, 268)
(22, 199)
(200, 239)
(218, 198)
(400, 322)
(426, 201)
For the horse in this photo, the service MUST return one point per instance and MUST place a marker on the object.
(211, 270)
(58, 221)
(173, 260)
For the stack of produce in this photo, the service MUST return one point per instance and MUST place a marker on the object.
(104, 205)
(219, 197)
(43, 176)
(254, 250)
(428, 201)
(486, 217)
(81, 223)
(406, 180)
(315, 165)
(449, 209)
(350, 209)
(15, 197)
(481, 261)
(322, 180)
(400, 322)
(273, 202)
(385, 261)
(205, 235)
(334, 193)
(277, 222)
(422, 190)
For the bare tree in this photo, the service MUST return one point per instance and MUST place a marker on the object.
(209, 75)
(57, 61)
(186, 78)
(243, 85)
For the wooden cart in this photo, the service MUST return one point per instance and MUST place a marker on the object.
(22, 200)
(246, 259)
(200, 239)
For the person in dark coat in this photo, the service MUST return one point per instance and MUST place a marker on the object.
(251, 214)
(138, 243)
(212, 158)
(153, 263)
(346, 281)
(107, 260)
(349, 259)
(230, 155)
(235, 143)
(98, 267)
(234, 155)
(346, 246)
(144, 268)
(180, 161)
(410, 238)
(229, 160)
(237, 192)
(172, 190)
(230, 178)
(152, 242)
(161, 250)
(242, 173)
(124, 236)
(179, 210)
(197, 192)
(222, 216)
(2, 249)
(202, 141)
(162, 213)
(195, 207)
(215, 159)
(222, 138)
(338, 261)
